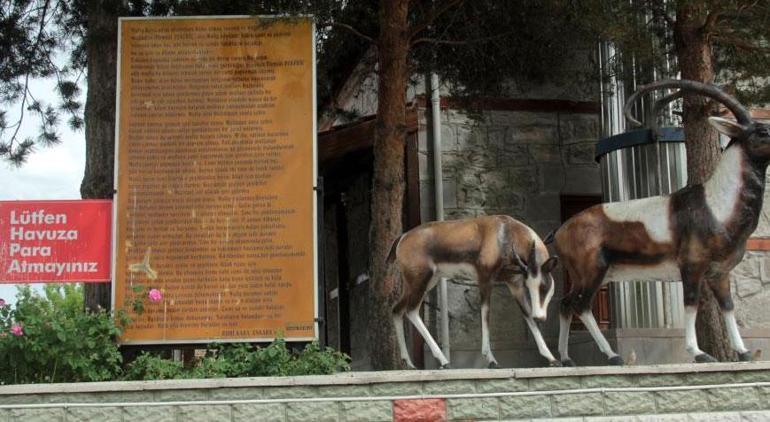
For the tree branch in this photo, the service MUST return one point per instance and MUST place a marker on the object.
(739, 43)
(712, 19)
(458, 42)
(350, 29)
(435, 13)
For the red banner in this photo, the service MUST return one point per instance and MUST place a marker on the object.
(55, 241)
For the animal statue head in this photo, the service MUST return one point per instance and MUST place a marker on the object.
(536, 283)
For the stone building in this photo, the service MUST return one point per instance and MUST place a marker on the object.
(530, 155)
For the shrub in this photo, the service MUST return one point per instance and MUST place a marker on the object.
(52, 339)
(243, 360)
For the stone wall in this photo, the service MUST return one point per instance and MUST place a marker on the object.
(517, 163)
(708, 392)
(750, 280)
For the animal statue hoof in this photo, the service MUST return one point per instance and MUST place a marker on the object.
(557, 364)
(616, 361)
(445, 366)
(568, 363)
(705, 358)
(493, 365)
(746, 356)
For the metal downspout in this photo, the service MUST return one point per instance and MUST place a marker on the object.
(438, 190)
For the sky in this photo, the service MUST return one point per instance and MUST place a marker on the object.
(49, 173)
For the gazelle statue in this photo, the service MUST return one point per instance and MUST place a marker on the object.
(696, 235)
(484, 249)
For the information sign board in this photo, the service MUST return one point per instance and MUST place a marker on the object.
(215, 202)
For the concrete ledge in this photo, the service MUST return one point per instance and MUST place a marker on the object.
(366, 378)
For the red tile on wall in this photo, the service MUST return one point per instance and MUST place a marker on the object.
(422, 410)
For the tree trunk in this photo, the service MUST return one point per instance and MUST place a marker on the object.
(388, 179)
(102, 53)
(696, 63)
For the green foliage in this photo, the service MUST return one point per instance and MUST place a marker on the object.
(59, 342)
(151, 367)
(243, 360)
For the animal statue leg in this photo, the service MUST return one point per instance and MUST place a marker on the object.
(486, 348)
(414, 316)
(721, 288)
(691, 277)
(541, 346)
(587, 317)
(564, 323)
(398, 323)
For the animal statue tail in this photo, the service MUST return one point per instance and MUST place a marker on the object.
(550, 236)
(392, 253)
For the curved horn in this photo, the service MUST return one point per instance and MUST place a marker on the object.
(741, 114)
(532, 260)
(519, 263)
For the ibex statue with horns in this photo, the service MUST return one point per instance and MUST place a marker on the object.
(696, 235)
(485, 249)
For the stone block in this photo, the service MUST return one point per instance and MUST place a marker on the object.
(367, 411)
(439, 388)
(552, 179)
(392, 389)
(611, 419)
(584, 404)
(266, 412)
(751, 376)
(682, 401)
(343, 391)
(523, 179)
(735, 399)
(149, 413)
(518, 407)
(709, 378)
(629, 403)
(583, 180)
(202, 413)
(289, 392)
(473, 409)
(450, 193)
(95, 414)
(660, 380)
(501, 385)
(746, 278)
(497, 137)
(581, 153)
(536, 134)
(543, 207)
(554, 383)
(182, 395)
(676, 417)
(545, 153)
(615, 381)
(573, 127)
(117, 397)
(38, 415)
(235, 393)
(759, 416)
(715, 417)
(25, 398)
(313, 411)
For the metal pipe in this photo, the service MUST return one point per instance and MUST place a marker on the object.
(600, 390)
(438, 190)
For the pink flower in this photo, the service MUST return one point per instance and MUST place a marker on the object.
(17, 330)
(2, 303)
(155, 295)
